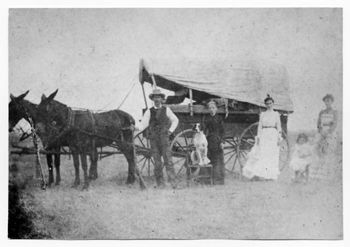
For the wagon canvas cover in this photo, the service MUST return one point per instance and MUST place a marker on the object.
(244, 81)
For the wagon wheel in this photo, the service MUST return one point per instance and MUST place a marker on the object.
(143, 148)
(247, 140)
(181, 148)
(230, 154)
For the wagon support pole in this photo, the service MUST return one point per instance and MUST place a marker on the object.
(144, 95)
(154, 81)
(191, 102)
(138, 173)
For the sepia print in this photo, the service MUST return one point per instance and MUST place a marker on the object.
(222, 123)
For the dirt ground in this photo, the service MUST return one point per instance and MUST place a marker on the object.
(237, 210)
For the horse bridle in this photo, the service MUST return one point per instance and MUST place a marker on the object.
(19, 107)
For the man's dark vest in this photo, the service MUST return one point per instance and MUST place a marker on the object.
(159, 123)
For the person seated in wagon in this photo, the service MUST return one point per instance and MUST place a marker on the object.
(161, 123)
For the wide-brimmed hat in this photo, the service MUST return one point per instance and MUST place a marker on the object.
(156, 92)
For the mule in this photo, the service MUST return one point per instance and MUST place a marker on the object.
(84, 132)
(20, 108)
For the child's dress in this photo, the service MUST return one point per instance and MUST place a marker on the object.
(301, 158)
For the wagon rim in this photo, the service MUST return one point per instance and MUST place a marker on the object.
(143, 149)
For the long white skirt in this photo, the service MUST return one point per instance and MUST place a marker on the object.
(263, 160)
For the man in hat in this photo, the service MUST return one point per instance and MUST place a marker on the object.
(162, 122)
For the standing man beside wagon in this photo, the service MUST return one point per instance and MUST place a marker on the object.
(161, 123)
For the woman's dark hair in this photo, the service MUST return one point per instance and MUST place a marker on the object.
(268, 98)
(302, 135)
(328, 96)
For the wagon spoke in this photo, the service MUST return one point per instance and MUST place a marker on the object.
(180, 146)
(229, 152)
(232, 143)
(234, 163)
(138, 136)
(143, 166)
(180, 169)
(243, 153)
(247, 141)
(149, 167)
(229, 148)
(228, 142)
(251, 132)
(186, 141)
(141, 159)
(230, 158)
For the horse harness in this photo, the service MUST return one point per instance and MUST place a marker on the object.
(71, 115)
(70, 123)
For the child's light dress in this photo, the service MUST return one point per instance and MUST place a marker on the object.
(301, 157)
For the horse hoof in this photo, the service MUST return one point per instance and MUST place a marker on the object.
(130, 181)
(85, 187)
(43, 186)
(74, 186)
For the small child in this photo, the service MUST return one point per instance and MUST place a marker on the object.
(301, 158)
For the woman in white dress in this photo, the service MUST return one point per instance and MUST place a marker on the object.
(262, 162)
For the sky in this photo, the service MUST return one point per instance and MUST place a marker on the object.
(92, 55)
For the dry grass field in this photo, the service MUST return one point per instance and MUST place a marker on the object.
(237, 210)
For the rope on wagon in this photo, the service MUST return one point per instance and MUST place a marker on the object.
(127, 95)
(133, 79)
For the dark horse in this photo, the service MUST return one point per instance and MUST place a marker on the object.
(84, 132)
(20, 108)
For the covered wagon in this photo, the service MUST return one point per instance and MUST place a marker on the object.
(239, 88)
